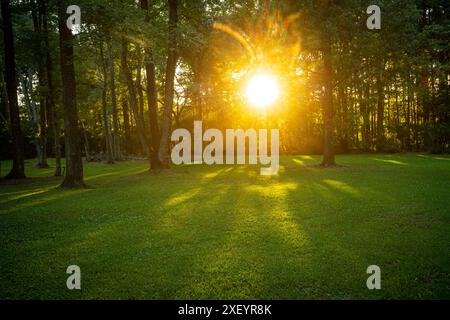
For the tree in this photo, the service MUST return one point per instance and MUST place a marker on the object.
(152, 97)
(327, 107)
(112, 88)
(18, 169)
(37, 13)
(74, 163)
(169, 84)
(128, 78)
(50, 98)
(343, 87)
(328, 159)
(103, 84)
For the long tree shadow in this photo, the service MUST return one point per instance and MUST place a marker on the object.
(225, 232)
(360, 221)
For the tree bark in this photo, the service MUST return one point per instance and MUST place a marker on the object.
(18, 169)
(140, 91)
(112, 75)
(4, 115)
(152, 100)
(380, 111)
(86, 143)
(169, 84)
(328, 159)
(51, 109)
(74, 163)
(27, 87)
(327, 108)
(126, 125)
(37, 16)
(103, 84)
(152, 97)
(132, 92)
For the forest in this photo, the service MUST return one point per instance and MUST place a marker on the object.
(352, 202)
(131, 71)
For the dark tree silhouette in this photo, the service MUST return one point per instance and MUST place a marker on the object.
(74, 163)
(51, 110)
(327, 102)
(169, 85)
(18, 169)
(152, 97)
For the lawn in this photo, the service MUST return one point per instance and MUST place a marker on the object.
(225, 232)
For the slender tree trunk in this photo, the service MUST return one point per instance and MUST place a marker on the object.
(103, 84)
(37, 16)
(27, 87)
(169, 84)
(152, 97)
(408, 115)
(397, 109)
(4, 116)
(423, 102)
(152, 100)
(328, 159)
(43, 163)
(126, 125)
(86, 143)
(328, 110)
(366, 117)
(112, 74)
(380, 110)
(139, 90)
(18, 169)
(197, 89)
(132, 92)
(74, 163)
(51, 108)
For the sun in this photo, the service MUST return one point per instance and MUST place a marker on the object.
(262, 90)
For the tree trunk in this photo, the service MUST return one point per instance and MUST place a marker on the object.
(43, 163)
(126, 125)
(4, 116)
(27, 87)
(198, 107)
(116, 135)
(380, 111)
(169, 84)
(18, 169)
(152, 100)
(408, 115)
(74, 163)
(152, 97)
(328, 110)
(132, 92)
(106, 125)
(328, 159)
(139, 90)
(364, 101)
(37, 16)
(86, 143)
(51, 110)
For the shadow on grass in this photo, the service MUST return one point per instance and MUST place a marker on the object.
(229, 233)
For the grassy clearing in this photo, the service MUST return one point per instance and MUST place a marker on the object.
(227, 232)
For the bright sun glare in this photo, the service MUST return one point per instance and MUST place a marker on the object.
(262, 90)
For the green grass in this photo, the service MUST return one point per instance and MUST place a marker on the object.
(225, 232)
